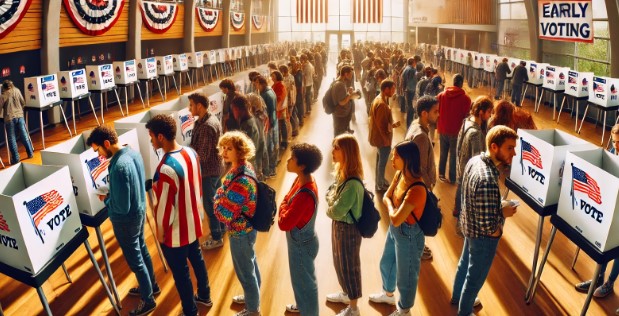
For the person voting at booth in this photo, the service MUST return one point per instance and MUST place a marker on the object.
(179, 212)
(605, 288)
(500, 73)
(483, 216)
(126, 206)
(12, 106)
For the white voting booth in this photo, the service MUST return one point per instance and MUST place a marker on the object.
(216, 104)
(180, 63)
(182, 116)
(194, 60)
(89, 171)
(604, 91)
(147, 68)
(555, 78)
(125, 72)
(589, 195)
(165, 65)
(539, 159)
(536, 72)
(41, 91)
(512, 63)
(100, 77)
(72, 83)
(578, 83)
(40, 214)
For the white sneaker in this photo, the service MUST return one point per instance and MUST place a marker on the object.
(212, 244)
(399, 312)
(382, 297)
(339, 297)
(477, 302)
(292, 308)
(348, 311)
(239, 299)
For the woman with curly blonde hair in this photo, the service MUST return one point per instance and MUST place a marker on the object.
(345, 201)
(235, 202)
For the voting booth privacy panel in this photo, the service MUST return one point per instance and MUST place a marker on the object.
(100, 77)
(89, 170)
(604, 91)
(38, 214)
(72, 83)
(125, 72)
(536, 72)
(589, 195)
(41, 91)
(147, 68)
(555, 78)
(578, 83)
(539, 160)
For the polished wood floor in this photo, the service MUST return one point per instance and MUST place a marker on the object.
(502, 294)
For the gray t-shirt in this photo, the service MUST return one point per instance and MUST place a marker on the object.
(339, 93)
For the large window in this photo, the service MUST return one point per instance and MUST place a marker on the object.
(340, 19)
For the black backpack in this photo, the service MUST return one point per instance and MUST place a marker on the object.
(327, 100)
(367, 224)
(266, 208)
(432, 218)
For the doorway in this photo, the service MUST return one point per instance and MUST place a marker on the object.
(338, 40)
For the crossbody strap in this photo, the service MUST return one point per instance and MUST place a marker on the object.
(339, 190)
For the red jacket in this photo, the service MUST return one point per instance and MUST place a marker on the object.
(454, 107)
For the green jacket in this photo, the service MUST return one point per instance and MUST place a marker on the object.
(350, 198)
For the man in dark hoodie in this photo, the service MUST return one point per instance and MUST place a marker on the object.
(520, 76)
(500, 73)
(454, 107)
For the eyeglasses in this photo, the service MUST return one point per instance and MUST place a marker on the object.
(96, 150)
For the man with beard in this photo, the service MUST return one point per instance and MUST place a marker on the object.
(483, 216)
(126, 207)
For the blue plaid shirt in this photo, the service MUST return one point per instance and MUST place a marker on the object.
(481, 198)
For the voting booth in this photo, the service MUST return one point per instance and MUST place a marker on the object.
(72, 83)
(221, 55)
(539, 159)
(589, 195)
(100, 77)
(194, 60)
(41, 91)
(555, 78)
(147, 68)
(604, 91)
(536, 72)
(180, 62)
(210, 57)
(512, 63)
(496, 60)
(125, 72)
(489, 63)
(89, 171)
(180, 103)
(39, 214)
(478, 61)
(165, 65)
(216, 104)
(578, 83)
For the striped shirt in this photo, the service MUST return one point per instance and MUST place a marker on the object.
(481, 198)
(235, 201)
(178, 197)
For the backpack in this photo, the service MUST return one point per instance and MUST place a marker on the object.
(327, 101)
(432, 218)
(266, 208)
(367, 224)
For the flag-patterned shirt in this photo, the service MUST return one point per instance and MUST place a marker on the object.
(178, 192)
(481, 198)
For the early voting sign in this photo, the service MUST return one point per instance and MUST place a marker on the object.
(568, 21)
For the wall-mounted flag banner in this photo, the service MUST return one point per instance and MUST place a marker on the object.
(11, 12)
(367, 11)
(94, 17)
(208, 18)
(312, 11)
(565, 20)
(237, 20)
(158, 17)
(258, 21)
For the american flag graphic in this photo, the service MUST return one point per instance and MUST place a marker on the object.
(531, 154)
(78, 79)
(584, 183)
(312, 11)
(97, 166)
(550, 75)
(48, 86)
(571, 80)
(3, 224)
(367, 11)
(42, 205)
(105, 74)
(598, 87)
(186, 122)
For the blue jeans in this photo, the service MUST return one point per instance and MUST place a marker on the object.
(130, 237)
(177, 259)
(309, 97)
(410, 109)
(382, 156)
(209, 186)
(17, 125)
(401, 262)
(302, 251)
(448, 147)
(614, 272)
(246, 268)
(273, 148)
(499, 88)
(473, 267)
(516, 94)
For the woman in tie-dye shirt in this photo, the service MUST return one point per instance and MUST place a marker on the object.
(235, 202)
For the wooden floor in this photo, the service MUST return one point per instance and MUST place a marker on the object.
(502, 294)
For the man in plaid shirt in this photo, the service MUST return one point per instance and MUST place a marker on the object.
(482, 216)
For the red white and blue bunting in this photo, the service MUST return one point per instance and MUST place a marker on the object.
(237, 20)
(94, 17)
(11, 12)
(158, 17)
(208, 18)
(258, 21)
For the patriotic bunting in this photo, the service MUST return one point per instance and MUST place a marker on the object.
(237, 20)
(11, 12)
(94, 17)
(158, 17)
(208, 18)
(258, 21)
